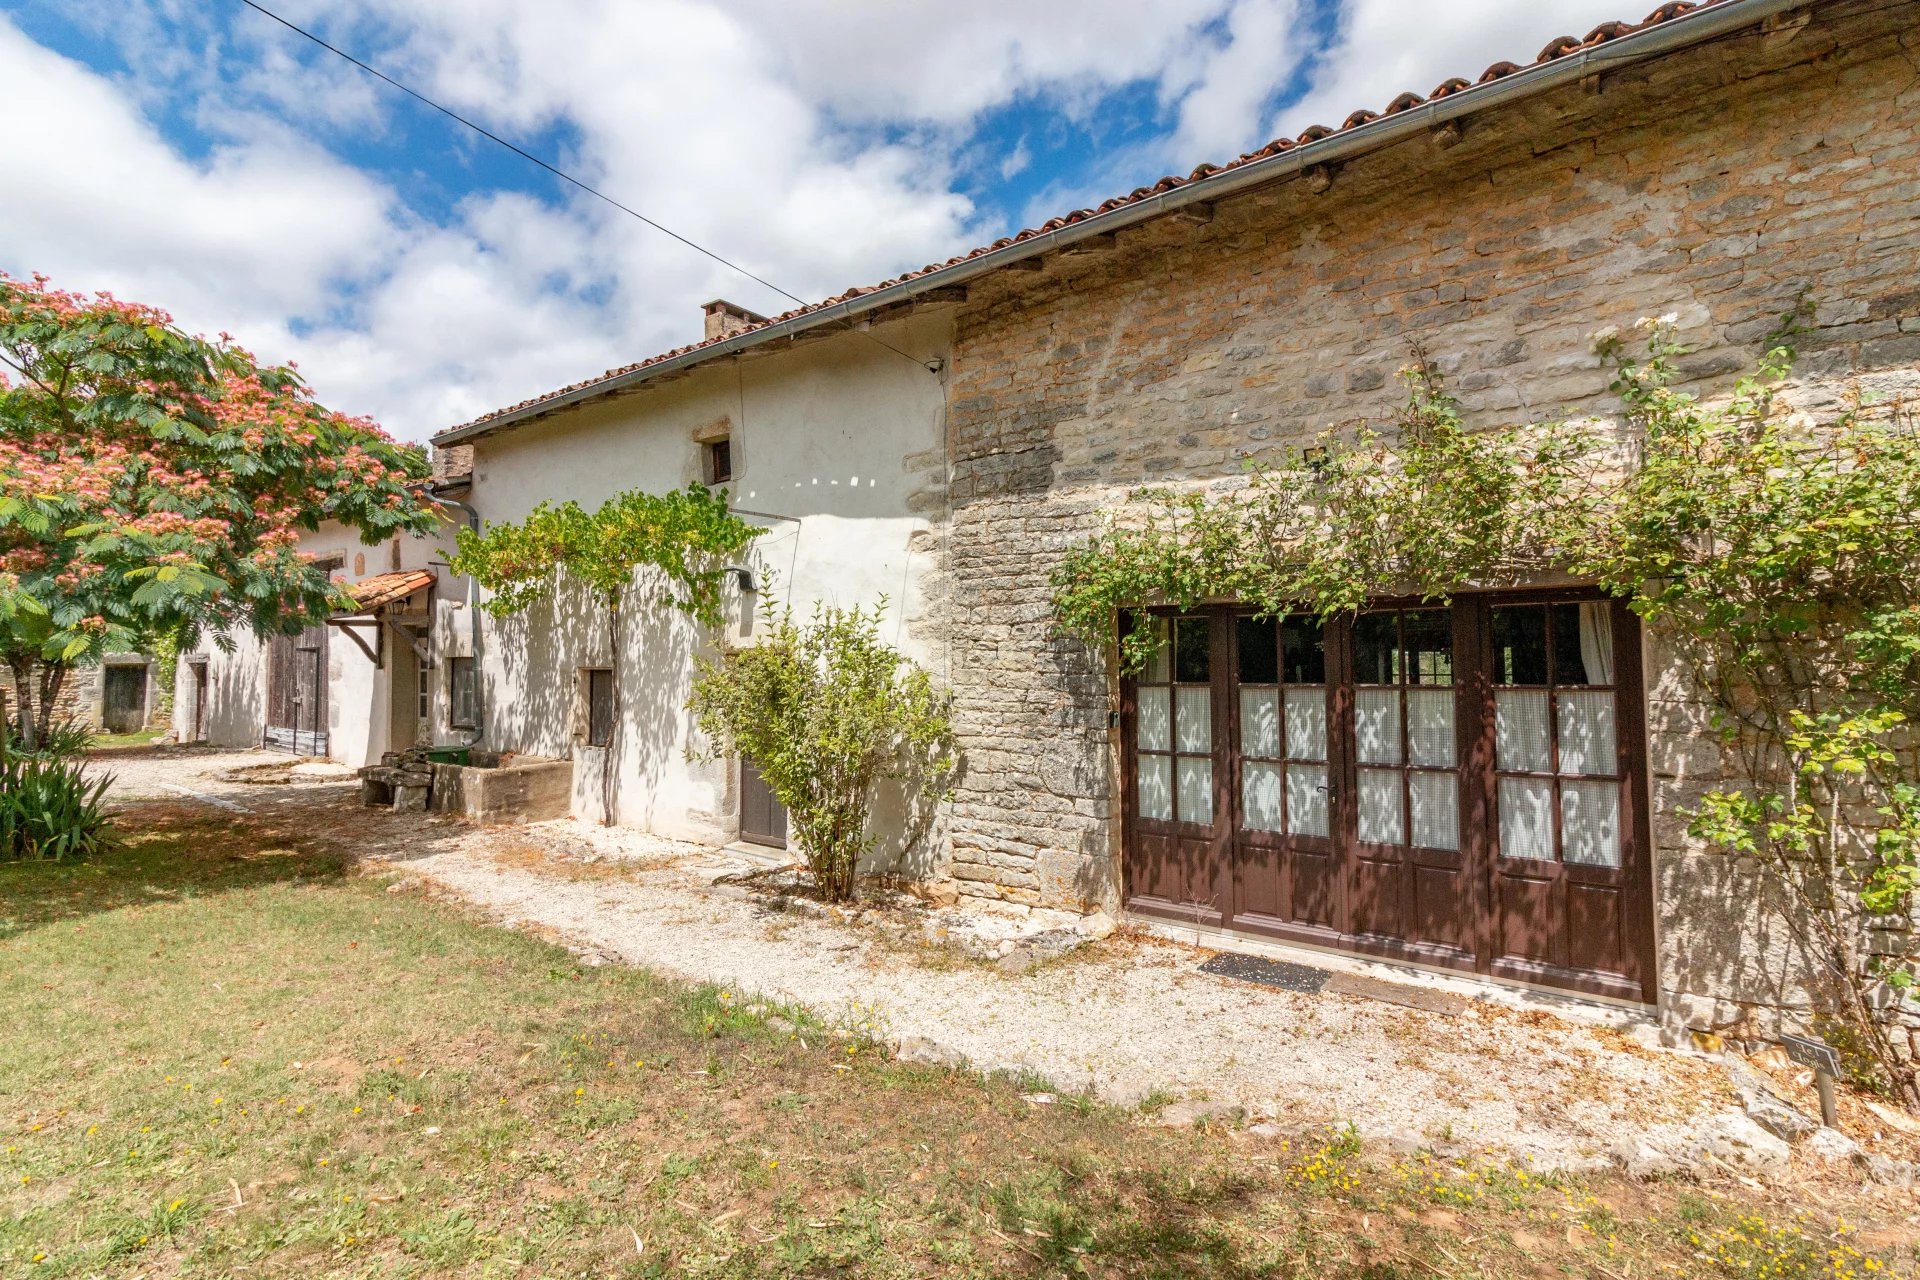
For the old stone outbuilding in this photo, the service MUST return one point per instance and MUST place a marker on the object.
(1491, 789)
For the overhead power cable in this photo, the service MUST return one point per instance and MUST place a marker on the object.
(563, 175)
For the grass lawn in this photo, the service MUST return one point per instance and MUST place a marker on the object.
(223, 1052)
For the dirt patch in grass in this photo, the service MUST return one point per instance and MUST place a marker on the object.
(228, 1054)
(525, 855)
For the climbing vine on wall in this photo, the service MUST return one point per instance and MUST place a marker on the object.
(637, 550)
(1423, 512)
(1777, 553)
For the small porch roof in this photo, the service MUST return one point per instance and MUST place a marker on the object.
(386, 588)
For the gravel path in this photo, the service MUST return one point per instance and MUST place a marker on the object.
(1127, 1018)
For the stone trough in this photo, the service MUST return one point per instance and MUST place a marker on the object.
(492, 787)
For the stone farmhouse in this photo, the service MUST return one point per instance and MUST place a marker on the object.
(1490, 790)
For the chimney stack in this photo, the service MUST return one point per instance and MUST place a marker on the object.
(727, 318)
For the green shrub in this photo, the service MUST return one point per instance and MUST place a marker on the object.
(68, 740)
(826, 710)
(51, 810)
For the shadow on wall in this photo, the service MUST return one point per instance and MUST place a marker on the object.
(236, 698)
(1723, 930)
(910, 829)
(536, 704)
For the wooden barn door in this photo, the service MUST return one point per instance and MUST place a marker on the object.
(1411, 889)
(1287, 868)
(1563, 728)
(297, 692)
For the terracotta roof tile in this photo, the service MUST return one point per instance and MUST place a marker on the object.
(1555, 49)
(386, 588)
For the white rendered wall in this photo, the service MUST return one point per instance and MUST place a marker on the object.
(359, 715)
(840, 440)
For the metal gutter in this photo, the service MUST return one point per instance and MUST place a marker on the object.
(1700, 25)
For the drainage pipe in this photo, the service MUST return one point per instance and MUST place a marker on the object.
(479, 728)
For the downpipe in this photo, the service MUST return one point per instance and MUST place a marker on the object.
(479, 729)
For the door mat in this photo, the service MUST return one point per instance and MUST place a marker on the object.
(1270, 973)
(1312, 982)
(1424, 998)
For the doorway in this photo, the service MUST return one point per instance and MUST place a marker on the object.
(297, 692)
(763, 819)
(1455, 786)
(124, 699)
(197, 690)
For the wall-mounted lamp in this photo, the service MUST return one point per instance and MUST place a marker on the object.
(743, 576)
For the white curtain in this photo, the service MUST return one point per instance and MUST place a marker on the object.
(1260, 723)
(1307, 799)
(1156, 787)
(1260, 795)
(1590, 823)
(1376, 725)
(1436, 809)
(1589, 743)
(1154, 719)
(1307, 723)
(1526, 818)
(1520, 734)
(1596, 642)
(1194, 780)
(1193, 718)
(1430, 733)
(1381, 818)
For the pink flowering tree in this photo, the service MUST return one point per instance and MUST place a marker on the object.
(154, 485)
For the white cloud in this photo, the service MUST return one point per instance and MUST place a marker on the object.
(103, 198)
(817, 142)
(1220, 116)
(1388, 47)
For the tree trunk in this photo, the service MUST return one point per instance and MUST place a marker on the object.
(52, 676)
(25, 721)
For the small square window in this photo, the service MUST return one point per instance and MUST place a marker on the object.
(597, 684)
(719, 461)
(463, 693)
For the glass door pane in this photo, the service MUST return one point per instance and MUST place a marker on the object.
(1557, 747)
(1282, 672)
(1153, 728)
(1405, 730)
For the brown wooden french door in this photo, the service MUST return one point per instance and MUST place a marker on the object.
(1456, 786)
(1179, 803)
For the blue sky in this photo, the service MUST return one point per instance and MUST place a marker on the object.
(192, 154)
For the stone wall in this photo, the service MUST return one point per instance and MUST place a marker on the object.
(1723, 184)
(75, 701)
(83, 690)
